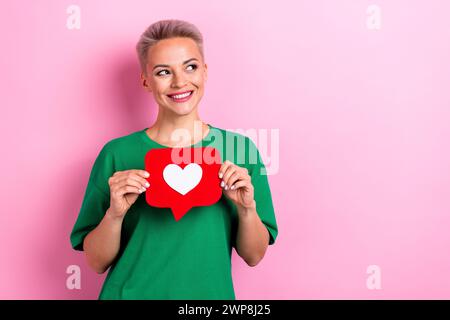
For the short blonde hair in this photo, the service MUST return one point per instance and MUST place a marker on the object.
(166, 29)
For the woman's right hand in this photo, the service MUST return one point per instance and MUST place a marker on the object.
(125, 187)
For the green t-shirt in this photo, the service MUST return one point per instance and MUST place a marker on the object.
(161, 258)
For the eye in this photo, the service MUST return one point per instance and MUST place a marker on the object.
(160, 74)
(193, 65)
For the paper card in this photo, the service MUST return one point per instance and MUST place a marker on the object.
(182, 178)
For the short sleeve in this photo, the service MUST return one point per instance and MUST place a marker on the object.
(262, 193)
(96, 198)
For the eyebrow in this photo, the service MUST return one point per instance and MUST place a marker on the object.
(167, 66)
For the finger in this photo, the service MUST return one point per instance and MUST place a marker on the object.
(230, 171)
(132, 181)
(115, 187)
(224, 167)
(142, 173)
(127, 189)
(114, 178)
(118, 175)
(132, 176)
(233, 178)
(240, 174)
(241, 184)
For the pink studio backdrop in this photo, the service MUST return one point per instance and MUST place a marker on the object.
(363, 118)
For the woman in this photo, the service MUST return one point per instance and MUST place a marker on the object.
(148, 253)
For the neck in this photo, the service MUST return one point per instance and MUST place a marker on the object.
(174, 130)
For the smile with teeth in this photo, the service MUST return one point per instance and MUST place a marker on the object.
(181, 97)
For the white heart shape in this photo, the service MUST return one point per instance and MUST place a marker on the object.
(182, 180)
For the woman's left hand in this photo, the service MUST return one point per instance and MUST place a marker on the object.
(237, 185)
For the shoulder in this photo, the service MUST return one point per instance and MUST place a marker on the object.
(238, 137)
(239, 147)
(122, 143)
(113, 153)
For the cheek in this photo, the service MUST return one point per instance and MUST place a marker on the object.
(199, 81)
(160, 87)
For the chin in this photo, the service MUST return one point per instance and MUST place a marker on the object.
(182, 110)
(182, 113)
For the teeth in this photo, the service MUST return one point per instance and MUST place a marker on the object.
(181, 96)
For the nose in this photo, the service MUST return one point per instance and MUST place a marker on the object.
(178, 81)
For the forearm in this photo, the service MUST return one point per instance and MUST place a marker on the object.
(252, 236)
(102, 244)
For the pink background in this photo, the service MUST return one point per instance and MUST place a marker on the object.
(364, 135)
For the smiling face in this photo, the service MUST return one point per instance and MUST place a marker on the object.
(176, 75)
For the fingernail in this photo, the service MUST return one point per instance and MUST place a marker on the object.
(226, 187)
(220, 175)
(222, 184)
(147, 174)
(147, 184)
(232, 187)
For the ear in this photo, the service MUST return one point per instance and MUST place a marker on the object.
(145, 82)
(206, 72)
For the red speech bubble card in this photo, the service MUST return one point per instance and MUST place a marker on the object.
(182, 178)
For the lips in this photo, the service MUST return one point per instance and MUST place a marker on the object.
(181, 96)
